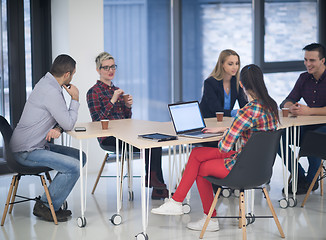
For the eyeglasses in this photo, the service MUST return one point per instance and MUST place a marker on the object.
(108, 68)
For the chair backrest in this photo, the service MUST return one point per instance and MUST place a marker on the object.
(313, 145)
(6, 132)
(254, 164)
(13, 165)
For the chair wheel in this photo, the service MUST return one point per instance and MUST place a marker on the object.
(116, 219)
(131, 196)
(250, 218)
(226, 192)
(81, 222)
(64, 205)
(186, 208)
(236, 192)
(283, 203)
(292, 202)
(253, 219)
(141, 236)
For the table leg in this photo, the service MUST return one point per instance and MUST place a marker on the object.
(170, 172)
(144, 203)
(81, 221)
(117, 174)
(116, 219)
(130, 173)
(81, 178)
(186, 209)
(294, 164)
(284, 203)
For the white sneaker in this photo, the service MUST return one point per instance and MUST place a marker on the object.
(169, 207)
(198, 226)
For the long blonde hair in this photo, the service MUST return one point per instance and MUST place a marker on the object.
(218, 71)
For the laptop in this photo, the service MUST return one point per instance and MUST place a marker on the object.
(188, 120)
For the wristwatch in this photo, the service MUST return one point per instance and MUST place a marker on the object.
(60, 128)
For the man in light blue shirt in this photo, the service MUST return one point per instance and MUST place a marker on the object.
(46, 116)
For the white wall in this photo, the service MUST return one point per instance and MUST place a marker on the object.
(77, 30)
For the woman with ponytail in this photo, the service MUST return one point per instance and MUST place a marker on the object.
(260, 114)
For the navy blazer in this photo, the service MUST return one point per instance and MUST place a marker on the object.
(213, 97)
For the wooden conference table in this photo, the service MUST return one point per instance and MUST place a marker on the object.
(127, 130)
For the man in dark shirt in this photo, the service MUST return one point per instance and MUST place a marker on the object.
(311, 86)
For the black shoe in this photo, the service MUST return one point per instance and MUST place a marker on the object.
(154, 181)
(61, 212)
(304, 189)
(42, 211)
(158, 194)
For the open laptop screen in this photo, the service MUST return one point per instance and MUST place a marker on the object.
(186, 116)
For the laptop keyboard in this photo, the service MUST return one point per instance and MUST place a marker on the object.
(195, 133)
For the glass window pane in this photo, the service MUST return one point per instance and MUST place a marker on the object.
(289, 26)
(141, 51)
(226, 25)
(28, 54)
(4, 85)
(207, 30)
(279, 85)
(4, 90)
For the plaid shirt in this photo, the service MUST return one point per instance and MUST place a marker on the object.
(251, 118)
(100, 106)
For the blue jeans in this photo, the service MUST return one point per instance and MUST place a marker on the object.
(65, 160)
(314, 162)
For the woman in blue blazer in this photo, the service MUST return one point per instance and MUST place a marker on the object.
(221, 88)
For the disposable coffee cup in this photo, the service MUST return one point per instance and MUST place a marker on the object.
(285, 112)
(219, 116)
(125, 97)
(105, 124)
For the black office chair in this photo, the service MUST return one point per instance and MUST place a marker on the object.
(313, 145)
(253, 167)
(21, 170)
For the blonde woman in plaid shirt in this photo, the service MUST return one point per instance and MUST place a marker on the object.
(260, 114)
(105, 101)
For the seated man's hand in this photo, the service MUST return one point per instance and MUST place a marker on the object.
(53, 133)
(300, 110)
(72, 91)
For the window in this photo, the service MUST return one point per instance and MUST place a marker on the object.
(28, 53)
(205, 35)
(279, 85)
(141, 51)
(289, 26)
(4, 84)
(141, 35)
(217, 37)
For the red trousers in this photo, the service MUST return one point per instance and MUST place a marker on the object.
(203, 161)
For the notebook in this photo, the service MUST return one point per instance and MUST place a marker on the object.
(188, 120)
